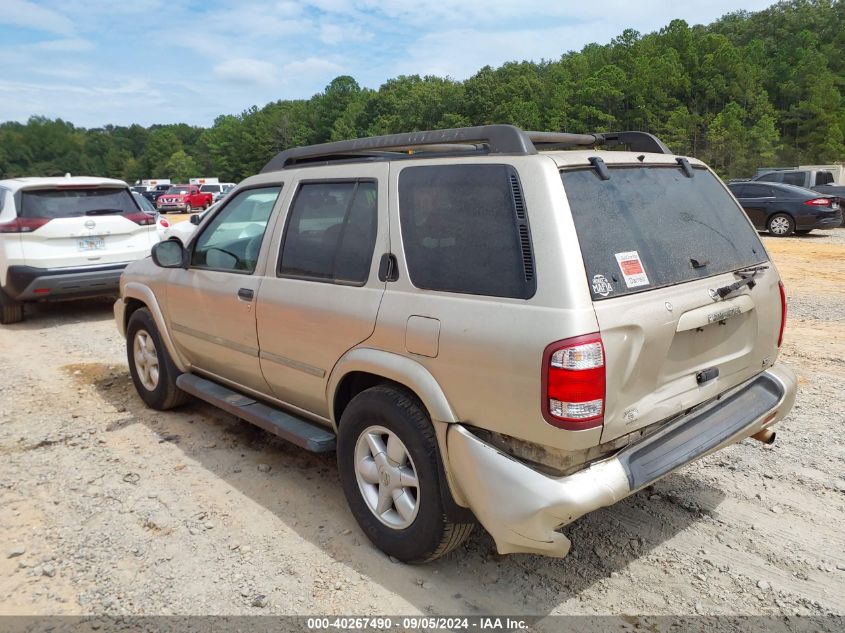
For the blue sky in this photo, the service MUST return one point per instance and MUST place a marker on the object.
(94, 62)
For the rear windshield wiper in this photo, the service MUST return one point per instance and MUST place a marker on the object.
(747, 275)
(104, 212)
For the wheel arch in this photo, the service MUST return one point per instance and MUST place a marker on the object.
(362, 368)
(136, 296)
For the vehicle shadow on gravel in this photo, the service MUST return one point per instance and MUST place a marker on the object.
(472, 580)
(52, 313)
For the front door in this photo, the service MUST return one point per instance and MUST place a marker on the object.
(211, 305)
(323, 295)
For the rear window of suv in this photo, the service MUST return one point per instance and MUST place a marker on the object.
(70, 203)
(651, 227)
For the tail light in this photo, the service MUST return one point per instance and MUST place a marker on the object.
(782, 312)
(139, 217)
(23, 225)
(164, 223)
(573, 383)
(819, 202)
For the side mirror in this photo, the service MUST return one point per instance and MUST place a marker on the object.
(169, 254)
(195, 219)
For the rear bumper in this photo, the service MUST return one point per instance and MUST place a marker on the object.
(831, 221)
(522, 509)
(26, 283)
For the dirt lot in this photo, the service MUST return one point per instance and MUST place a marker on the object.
(107, 507)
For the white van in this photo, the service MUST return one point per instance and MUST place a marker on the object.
(64, 238)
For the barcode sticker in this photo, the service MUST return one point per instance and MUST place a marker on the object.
(632, 269)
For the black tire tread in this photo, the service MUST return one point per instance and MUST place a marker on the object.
(172, 396)
(453, 534)
(11, 311)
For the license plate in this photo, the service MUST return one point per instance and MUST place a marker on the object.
(92, 244)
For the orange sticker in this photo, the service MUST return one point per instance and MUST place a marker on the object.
(632, 269)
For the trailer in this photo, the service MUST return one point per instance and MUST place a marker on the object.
(204, 181)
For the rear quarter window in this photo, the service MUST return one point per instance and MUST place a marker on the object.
(465, 230)
(651, 227)
(797, 178)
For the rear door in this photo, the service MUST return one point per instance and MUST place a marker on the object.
(83, 226)
(323, 296)
(757, 201)
(660, 244)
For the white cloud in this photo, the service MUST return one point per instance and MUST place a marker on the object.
(29, 15)
(246, 71)
(338, 33)
(70, 44)
(307, 68)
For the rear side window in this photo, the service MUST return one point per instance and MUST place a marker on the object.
(651, 227)
(72, 203)
(331, 232)
(824, 178)
(464, 229)
(758, 191)
(794, 178)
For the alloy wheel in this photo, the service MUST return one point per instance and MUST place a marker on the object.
(387, 477)
(146, 360)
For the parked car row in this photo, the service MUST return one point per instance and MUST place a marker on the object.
(200, 193)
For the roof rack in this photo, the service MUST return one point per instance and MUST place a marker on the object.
(484, 139)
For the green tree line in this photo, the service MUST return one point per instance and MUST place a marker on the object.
(748, 90)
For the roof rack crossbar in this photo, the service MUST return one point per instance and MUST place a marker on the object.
(489, 139)
(492, 139)
(635, 141)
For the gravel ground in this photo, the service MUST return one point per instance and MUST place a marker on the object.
(111, 508)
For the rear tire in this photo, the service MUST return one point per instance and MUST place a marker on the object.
(11, 311)
(781, 225)
(388, 460)
(153, 371)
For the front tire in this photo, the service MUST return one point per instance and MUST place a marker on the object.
(781, 225)
(11, 311)
(188, 208)
(153, 371)
(388, 456)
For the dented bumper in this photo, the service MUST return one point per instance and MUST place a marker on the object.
(523, 509)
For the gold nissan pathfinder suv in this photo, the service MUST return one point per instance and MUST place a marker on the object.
(486, 324)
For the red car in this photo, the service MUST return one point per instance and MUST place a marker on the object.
(184, 198)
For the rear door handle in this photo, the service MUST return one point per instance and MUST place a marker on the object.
(246, 294)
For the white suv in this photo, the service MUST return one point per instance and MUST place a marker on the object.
(67, 237)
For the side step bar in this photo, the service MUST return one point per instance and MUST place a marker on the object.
(289, 427)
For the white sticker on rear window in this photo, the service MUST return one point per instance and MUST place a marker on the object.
(632, 269)
(601, 286)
